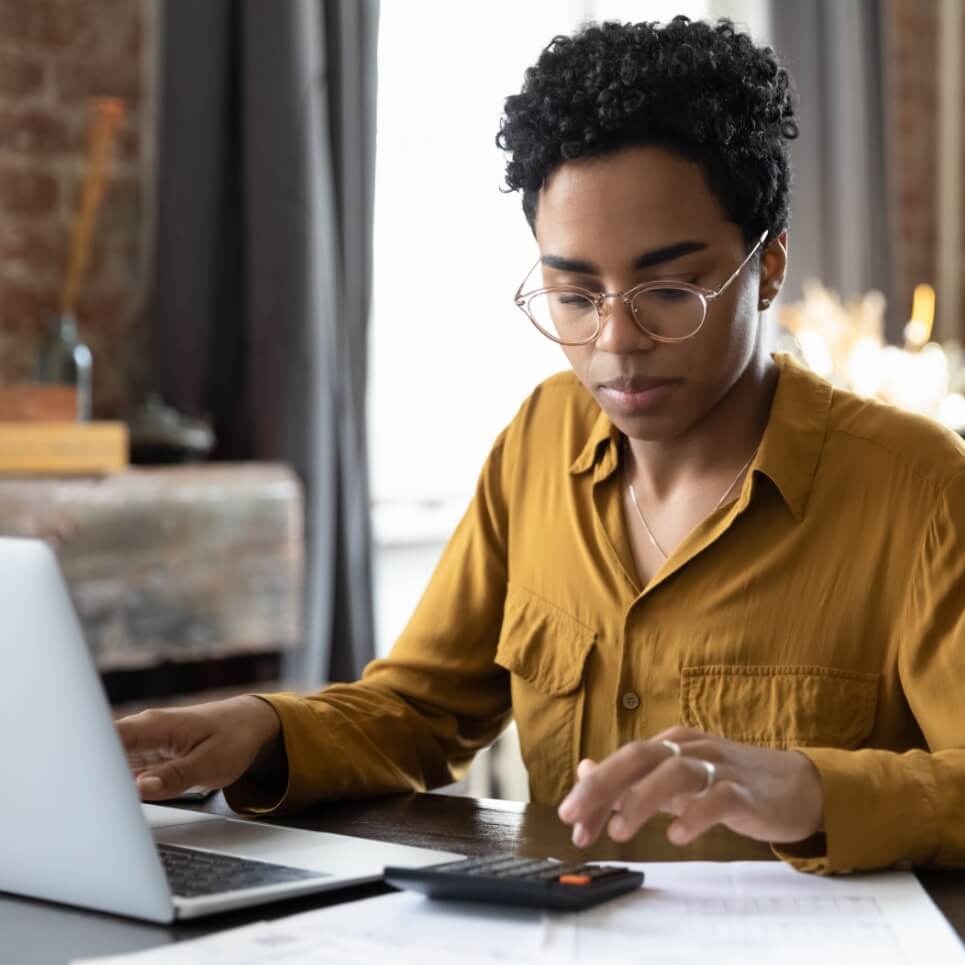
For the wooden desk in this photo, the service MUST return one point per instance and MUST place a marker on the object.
(38, 933)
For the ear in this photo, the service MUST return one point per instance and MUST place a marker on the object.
(773, 270)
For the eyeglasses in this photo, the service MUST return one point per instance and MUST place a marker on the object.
(668, 311)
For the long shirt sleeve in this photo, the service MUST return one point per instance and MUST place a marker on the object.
(883, 807)
(415, 720)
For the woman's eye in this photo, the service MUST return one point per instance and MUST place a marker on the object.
(668, 294)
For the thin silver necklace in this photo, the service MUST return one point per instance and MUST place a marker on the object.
(636, 505)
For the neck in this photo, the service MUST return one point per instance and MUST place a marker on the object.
(718, 444)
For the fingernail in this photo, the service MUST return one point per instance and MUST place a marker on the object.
(580, 836)
(150, 783)
(677, 833)
(618, 826)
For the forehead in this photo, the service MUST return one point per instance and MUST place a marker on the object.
(637, 197)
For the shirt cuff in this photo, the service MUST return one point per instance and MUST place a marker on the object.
(250, 796)
(879, 811)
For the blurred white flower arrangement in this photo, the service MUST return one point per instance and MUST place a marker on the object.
(844, 342)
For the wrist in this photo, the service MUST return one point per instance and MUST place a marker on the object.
(810, 793)
(262, 718)
(270, 763)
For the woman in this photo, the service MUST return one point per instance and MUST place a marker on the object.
(705, 583)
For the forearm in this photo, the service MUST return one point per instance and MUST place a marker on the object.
(418, 717)
(360, 740)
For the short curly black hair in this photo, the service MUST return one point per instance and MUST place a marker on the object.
(705, 91)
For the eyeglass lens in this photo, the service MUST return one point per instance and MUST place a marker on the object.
(572, 317)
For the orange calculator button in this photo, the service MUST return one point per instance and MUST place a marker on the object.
(575, 879)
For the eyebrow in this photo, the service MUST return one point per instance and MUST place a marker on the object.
(647, 260)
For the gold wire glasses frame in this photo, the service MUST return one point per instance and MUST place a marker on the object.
(667, 311)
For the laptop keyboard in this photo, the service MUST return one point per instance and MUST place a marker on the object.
(195, 874)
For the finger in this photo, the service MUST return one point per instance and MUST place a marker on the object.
(580, 834)
(679, 735)
(593, 798)
(147, 732)
(170, 778)
(675, 779)
(150, 787)
(605, 782)
(724, 802)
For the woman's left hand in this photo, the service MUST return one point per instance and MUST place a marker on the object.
(773, 796)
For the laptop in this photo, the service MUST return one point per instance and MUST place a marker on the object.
(72, 828)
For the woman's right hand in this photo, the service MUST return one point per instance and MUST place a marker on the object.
(209, 745)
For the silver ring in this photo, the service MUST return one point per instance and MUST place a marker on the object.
(711, 770)
(673, 747)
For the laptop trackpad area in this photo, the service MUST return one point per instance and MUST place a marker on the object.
(335, 854)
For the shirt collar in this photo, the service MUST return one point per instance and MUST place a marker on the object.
(795, 433)
(603, 431)
(789, 451)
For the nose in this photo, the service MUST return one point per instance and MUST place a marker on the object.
(619, 332)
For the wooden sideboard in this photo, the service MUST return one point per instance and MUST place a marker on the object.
(172, 564)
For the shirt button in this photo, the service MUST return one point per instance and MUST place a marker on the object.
(630, 700)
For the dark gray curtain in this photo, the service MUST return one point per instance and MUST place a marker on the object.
(840, 224)
(267, 149)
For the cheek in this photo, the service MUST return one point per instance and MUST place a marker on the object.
(747, 318)
(728, 338)
(580, 359)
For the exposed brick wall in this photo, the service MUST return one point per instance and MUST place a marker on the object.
(54, 55)
(913, 27)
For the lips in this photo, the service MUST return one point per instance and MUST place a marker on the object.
(637, 394)
(632, 384)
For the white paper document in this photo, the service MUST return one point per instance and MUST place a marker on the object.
(700, 912)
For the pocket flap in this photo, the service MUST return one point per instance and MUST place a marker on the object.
(781, 706)
(542, 644)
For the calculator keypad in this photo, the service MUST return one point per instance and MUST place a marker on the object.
(541, 869)
(505, 879)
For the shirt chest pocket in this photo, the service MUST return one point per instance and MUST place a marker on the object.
(780, 706)
(545, 650)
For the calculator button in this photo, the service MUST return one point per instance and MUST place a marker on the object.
(602, 871)
(575, 879)
(524, 870)
(507, 864)
(571, 869)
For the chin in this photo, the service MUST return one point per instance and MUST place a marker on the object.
(650, 427)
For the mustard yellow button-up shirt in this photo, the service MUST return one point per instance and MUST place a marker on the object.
(820, 610)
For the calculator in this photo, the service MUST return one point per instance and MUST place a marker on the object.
(507, 880)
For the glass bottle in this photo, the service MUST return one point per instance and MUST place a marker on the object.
(66, 360)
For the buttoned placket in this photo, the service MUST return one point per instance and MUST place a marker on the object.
(631, 701)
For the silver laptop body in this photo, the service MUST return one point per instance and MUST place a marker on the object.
(72, 828)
